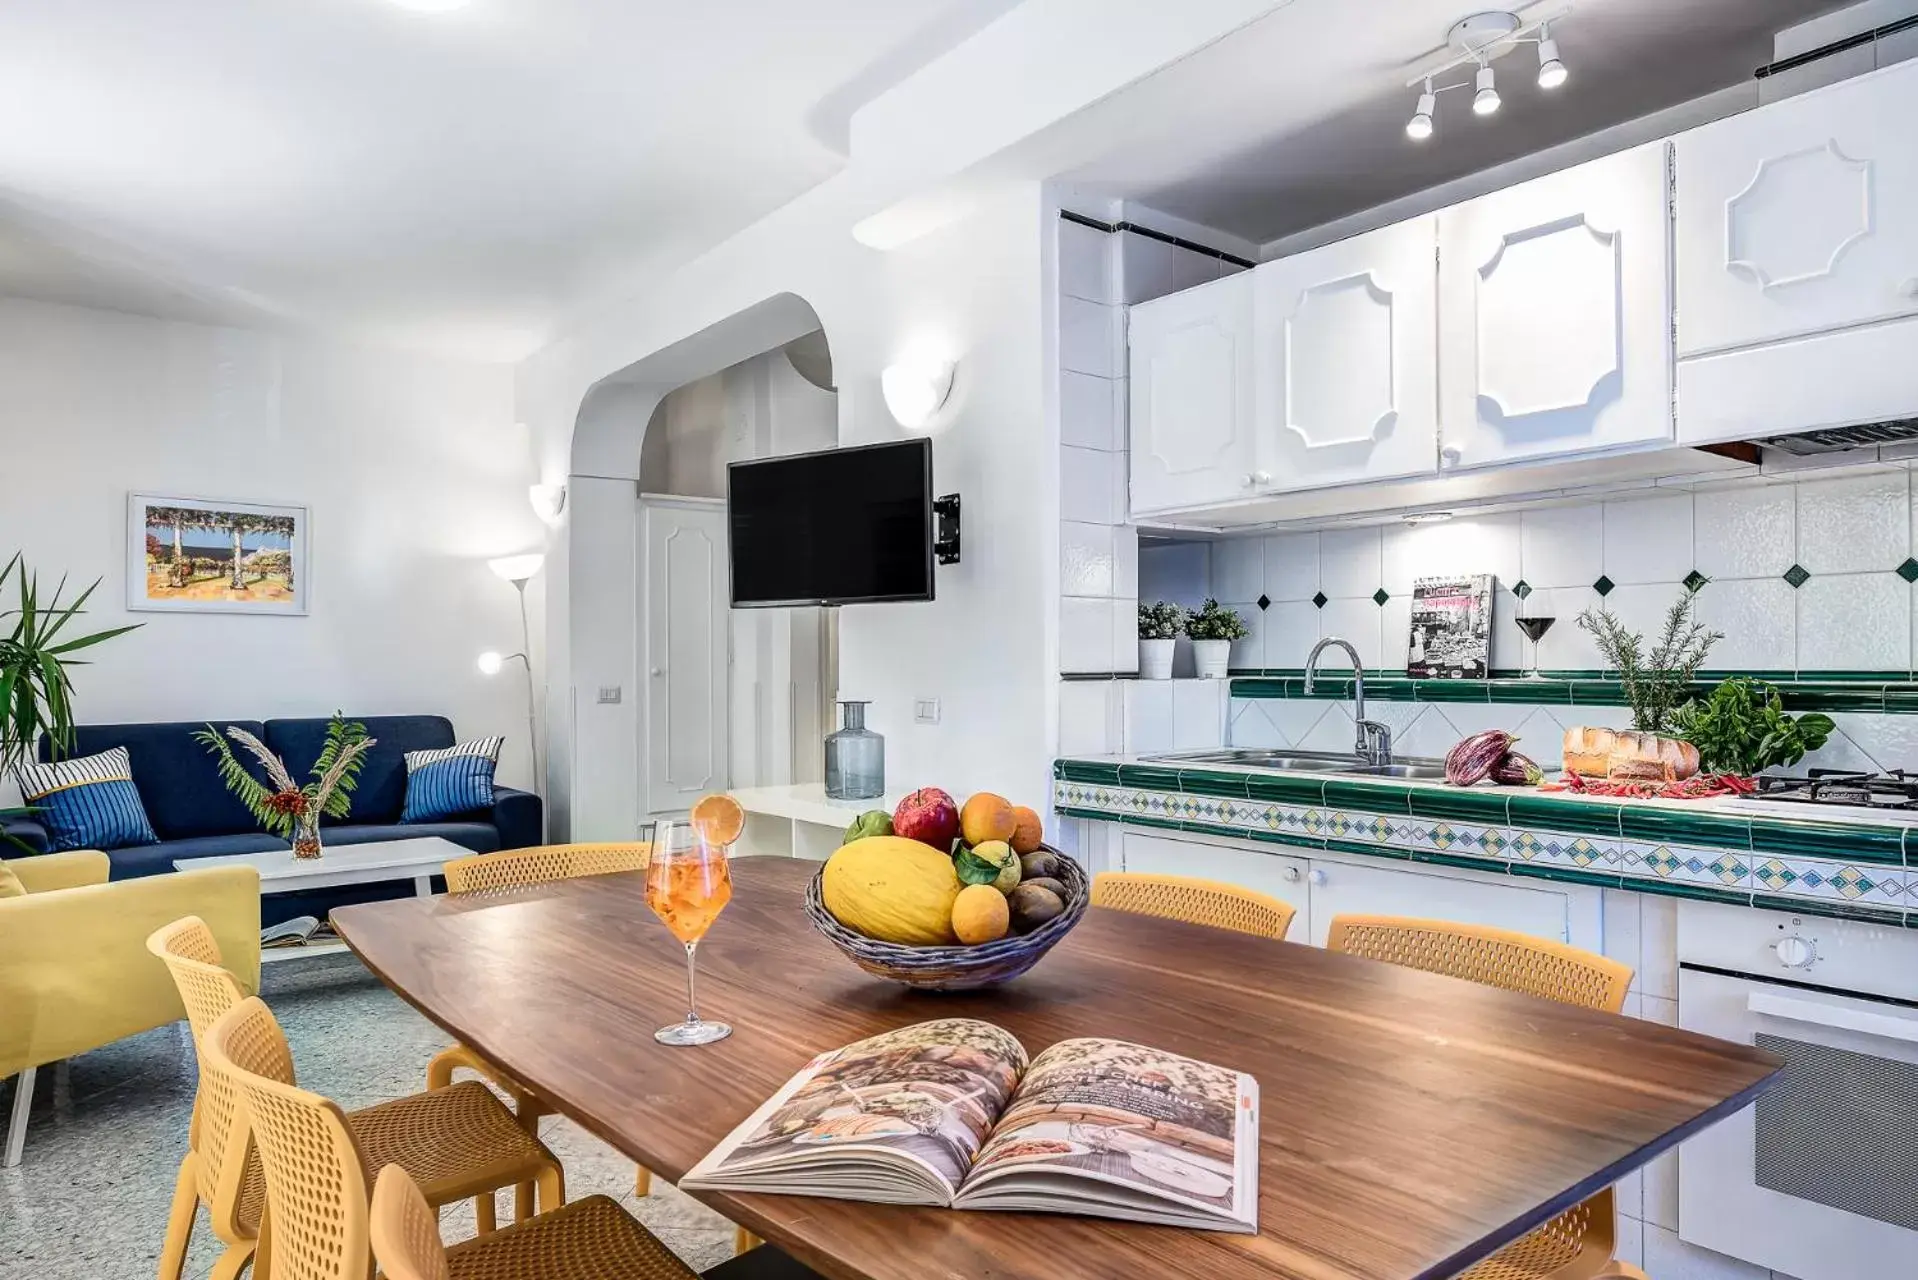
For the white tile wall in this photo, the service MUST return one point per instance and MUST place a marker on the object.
(1098, 550)
(1850, 532)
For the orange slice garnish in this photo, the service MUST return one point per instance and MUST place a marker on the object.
(718, 819)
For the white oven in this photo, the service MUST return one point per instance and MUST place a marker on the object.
(1819, 1178)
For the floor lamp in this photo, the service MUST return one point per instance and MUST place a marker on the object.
(518, 570)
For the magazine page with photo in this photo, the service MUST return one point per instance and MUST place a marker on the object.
(919, 1102)
(1162, 1138)
(1451, 628)
(949, 1113)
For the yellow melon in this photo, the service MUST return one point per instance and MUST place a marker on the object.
(893, 889)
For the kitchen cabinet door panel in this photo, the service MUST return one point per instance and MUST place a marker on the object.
(1340, 888)
(1555, 310)
(1192, 397)
(1800, 217)
(1269, 873)
(1348, 360)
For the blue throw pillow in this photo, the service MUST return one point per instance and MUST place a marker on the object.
(88, 803)
(457, 779)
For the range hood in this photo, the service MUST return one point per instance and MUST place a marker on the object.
(1865, 435)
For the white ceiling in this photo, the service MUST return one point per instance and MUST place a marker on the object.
(1300, 118)
(453, 181)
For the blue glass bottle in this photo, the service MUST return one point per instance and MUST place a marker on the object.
(855, 757)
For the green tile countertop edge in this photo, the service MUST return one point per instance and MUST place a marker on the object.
(1801, 864)
(1886, 692)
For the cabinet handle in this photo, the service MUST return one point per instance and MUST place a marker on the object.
(1292, 875)
(1451, 454)
(1263, 477)
(658, 672)
(1245, 481)
(1909, 288)
(1317, 876)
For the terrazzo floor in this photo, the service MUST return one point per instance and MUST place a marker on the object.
(108, 1128)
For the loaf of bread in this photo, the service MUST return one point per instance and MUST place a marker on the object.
(1628, 757)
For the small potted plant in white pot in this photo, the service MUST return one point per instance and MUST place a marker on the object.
(1159, 626)
(1212, 630)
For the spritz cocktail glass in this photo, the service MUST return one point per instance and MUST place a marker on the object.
(687, 886)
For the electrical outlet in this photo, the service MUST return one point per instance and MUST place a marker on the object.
(925, 711)
(609, 693)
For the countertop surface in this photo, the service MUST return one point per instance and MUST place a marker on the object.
(1735, 806)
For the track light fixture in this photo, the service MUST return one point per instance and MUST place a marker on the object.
(1551, 72)
(1485, 101)
(1419, 127)
(1477, 42)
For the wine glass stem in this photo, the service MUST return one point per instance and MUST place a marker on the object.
(692, 1005)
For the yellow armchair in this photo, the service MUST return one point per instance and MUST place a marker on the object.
(75, 973)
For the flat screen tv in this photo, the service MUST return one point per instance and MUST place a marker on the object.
(842, 526)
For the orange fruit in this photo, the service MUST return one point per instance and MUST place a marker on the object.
(718, 819)
(1028, 833)
(986, 817)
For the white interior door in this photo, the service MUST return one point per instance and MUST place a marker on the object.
(683, 595)
(1800, 217)
(1555, 315)
(1347, 360)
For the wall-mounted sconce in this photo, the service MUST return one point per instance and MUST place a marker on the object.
(548, 501)
(915, 390)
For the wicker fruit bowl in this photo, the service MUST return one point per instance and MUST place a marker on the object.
(955, 968)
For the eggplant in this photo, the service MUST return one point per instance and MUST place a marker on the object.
(1516, 770)
(1471, 761)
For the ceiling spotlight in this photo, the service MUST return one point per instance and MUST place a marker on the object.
(1419, 127)
(1485, 101)
(1551, 72)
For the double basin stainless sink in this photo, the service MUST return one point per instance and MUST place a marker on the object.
(1307, 762)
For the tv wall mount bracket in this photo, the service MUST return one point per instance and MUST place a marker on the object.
(945, 541)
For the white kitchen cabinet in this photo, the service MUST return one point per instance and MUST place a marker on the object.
(1192, 397)
(1347, 360)
(1554, 315)
(1343, 888)
(1269, 873)
(1797, 262)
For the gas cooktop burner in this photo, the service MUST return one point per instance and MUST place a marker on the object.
(1895, 790)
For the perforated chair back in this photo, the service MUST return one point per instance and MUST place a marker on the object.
(216, 1134)
(1208, 902)
(315, 1188)
(405, 1230)
(516, 868)
(1493, 957)
(1578, 1244)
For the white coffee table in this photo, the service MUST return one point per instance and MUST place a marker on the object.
(418, 859)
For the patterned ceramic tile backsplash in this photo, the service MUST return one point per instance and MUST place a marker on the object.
(1809, 576)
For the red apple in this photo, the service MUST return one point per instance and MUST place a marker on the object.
(929, 816)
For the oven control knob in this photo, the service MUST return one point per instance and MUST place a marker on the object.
(1796, 952)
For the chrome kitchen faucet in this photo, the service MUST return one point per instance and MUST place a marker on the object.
(1374, 745)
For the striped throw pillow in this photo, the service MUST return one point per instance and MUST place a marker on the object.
(88, 803)
(456, 779)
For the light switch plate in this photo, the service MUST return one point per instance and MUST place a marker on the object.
(925, 711)
(609, 693)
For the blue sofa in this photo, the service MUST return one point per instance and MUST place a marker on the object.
(195, 816)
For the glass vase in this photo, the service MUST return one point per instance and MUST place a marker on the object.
(855, 757)
(306, 834)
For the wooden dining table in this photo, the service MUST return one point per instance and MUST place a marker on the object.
(1410, 1124)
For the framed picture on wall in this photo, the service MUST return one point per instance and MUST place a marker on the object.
(203, 556)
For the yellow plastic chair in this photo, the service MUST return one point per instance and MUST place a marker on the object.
(1207, 902)
(502, 873)
(216, 1171)
(1578, 1244)
(590, 1239)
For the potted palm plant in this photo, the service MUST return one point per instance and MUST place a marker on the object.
(1159, 626)
(36, 653)
(1212, 630)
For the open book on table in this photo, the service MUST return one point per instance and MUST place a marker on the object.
(952, 1113)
